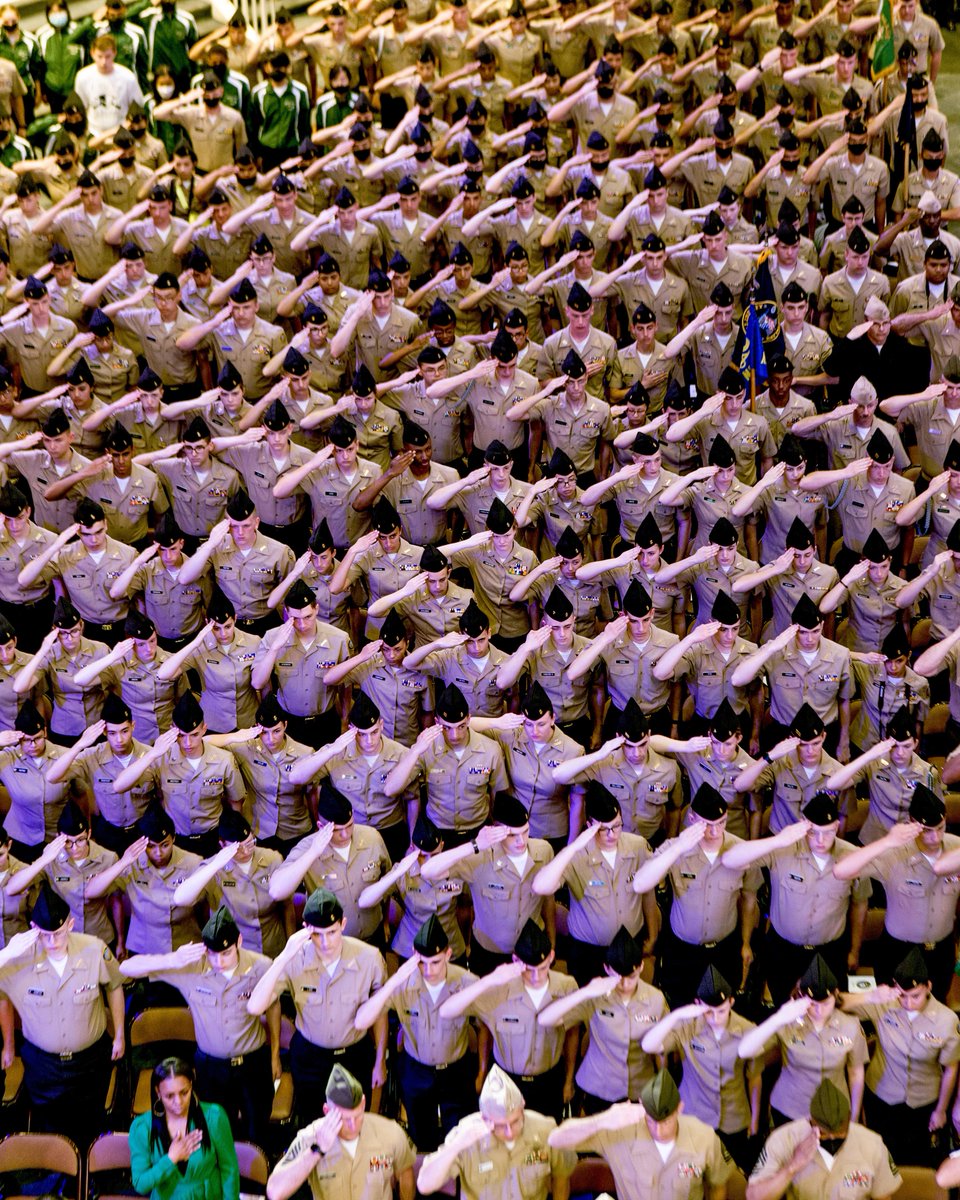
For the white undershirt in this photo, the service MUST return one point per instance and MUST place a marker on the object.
(665, 1149)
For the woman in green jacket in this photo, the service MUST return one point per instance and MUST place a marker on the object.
(182, 1149)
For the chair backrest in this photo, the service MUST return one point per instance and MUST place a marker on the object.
(110, 1152)
(162, 1025)
(40, 1152)
(253, 1163)
(920, 1183)
(591, 1175)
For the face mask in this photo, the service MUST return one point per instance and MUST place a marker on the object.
(831, 1145)
(604, 92)
(785, 120)
(725, 110)
(211, 101)
(423, 155)
(58, 20)
(139, 132)
(857, 147)
(475, 130)
(75, 127)
(537, 164)
(127, 161)
(931, 164)
(724, 151)
(361, 155)
(165, 90)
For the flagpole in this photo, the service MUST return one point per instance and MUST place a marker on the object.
(753, 389)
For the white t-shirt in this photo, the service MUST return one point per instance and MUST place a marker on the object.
(107, 97)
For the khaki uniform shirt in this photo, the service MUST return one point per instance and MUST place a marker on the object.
(326, 1002)
(332, 495)
(703, 275)
(708, 675)
(780, 506)
(382, 1154)
(629, 670)
(218, 1005)
(706, 894)
(793, 786)
(427, 1037)
(371, 343)
(713, 1087)
(881, 696)
(299, 669)
(475, 500)
(421, 900)
(822, 683)
(85, 236)
(488, 402)
(402, 695)
(460, 790)
(476, 678)
(15, 910)
(644, 794)
(785, 590)
(14, 557)
(846, 443)
(697, 1161)
(602, 896)
(278, 807)
(157, 925)
(247, 579)
(494, 578)
(382, 574)
(861, 511)
(215, 136)
(492, 1170)
(365, 862)
(615, 1066)
(672, 227)
(227, 697)
(708, 506)
(177, 609)
(809, 905)
(260, 472)
(246, 894)
(35, 804)
(891, 790)
(174, 366)
(521, 1046)
(933, 430)
(502, 893)
(62, 1014)
(442, 419)
(862, 1162)
(248, 354)
(921, 906)
(530, 771)
(598, 347)
(780, 185)
(97, 768)
(193, 795)
(669, 298)
(584, 596)
(356, 253)
(872, 612)
(434, 616)
(157, 246)
(130, 509)
(608, 118)
(810, 1056)
(226, 252)
(362, 782)
(709, 580)
(845, 306)
(88, 582)
(281, 234)
(74, 708)
(33, 349)
(871, 183)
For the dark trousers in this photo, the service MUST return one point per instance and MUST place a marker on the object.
(25, 852)
(396, 838)
(941, 959)
(584, 960)
(68, 1094)
(113, 837)
(457, 837)
(174, 393)
(507, 644)
(243, 1088)
(173, 644)
(311, 1065)
(283, 846)
(435, 1098)
(109, 632)
(682, 964)
(785, 962)
(205, 844)
(905, 1131)
(580, 730)
(315, 730)
(296, 535)
(483, 961)
(543, 1093)
(31, 621)
(742, 1148)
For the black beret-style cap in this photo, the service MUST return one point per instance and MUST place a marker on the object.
(806, 614)
(724, 723)
(497, 454)
(636, 600)
(299, 596)
(722, 533)
(926, 807)
(65, 616)
(557, 606)
(875, 549)
(322, 909)
(503, 348)
(276, 418)
(857, 242)
(500, 519)
(270, 712)
(432, 560)
(624, 954)
(431, 938)
(725, 610)
(821, 809)
(791, 450)
(912, 971)
(72, 820)
(536, 703)
(451, 705)
(187, 713)
(233, 826)
(633, 725)
(533, 946)
(333, 805)
(713, 990)
(50, 912)
(197, 431)
(56, 424)
(648, 533)
(569, 544)
(818, 981)
(600, 804)
(573, 365)
(721, 454)
(807, 724)
(708, 804)
(364, 714)
(155, 824)
(342, 433)
(115, 711)
(220, 931)
(80, 373)
(28, 720)
(508, 810)
(240, 506)
(473, 620)
(384, 517)
(321, 539)
(393, 631)
(425, 836)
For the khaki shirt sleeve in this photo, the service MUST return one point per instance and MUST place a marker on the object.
(110, 976)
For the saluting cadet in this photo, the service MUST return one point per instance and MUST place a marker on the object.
(435, 1065)
(652, 1148)
(58, 980)
(539, 1060)
(814, 1159)
(35, 802)
(236, 1061)
(467, 660)
(500, 1152)
(327, 1152)
(329, 977)
(717, 1086)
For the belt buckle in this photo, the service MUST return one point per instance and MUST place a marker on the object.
(237, 1061)
(710, 945)
(527, 1078)
(341, 1051)
(66, 1056)
(929, 945)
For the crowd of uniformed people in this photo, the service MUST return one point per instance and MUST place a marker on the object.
(419, 629)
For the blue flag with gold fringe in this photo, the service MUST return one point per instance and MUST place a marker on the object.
(760, 337)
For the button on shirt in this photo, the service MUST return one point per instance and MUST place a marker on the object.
(218, 1004)
(327, 1002)
(706, 894)
(62, 1014)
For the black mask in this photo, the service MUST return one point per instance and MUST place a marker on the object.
(211, 101)
(600, 167)
(831, 1145)
(790, 164)
(932, 164)
(785, 119)
(536, 164)
(127, 160)
(725, 110)
(919, 106)
(724, 151)
(362, 155)
(75, 127)
(138, 131)
(423, 155)
(857, 147)
(474, 129)
(604, 91)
